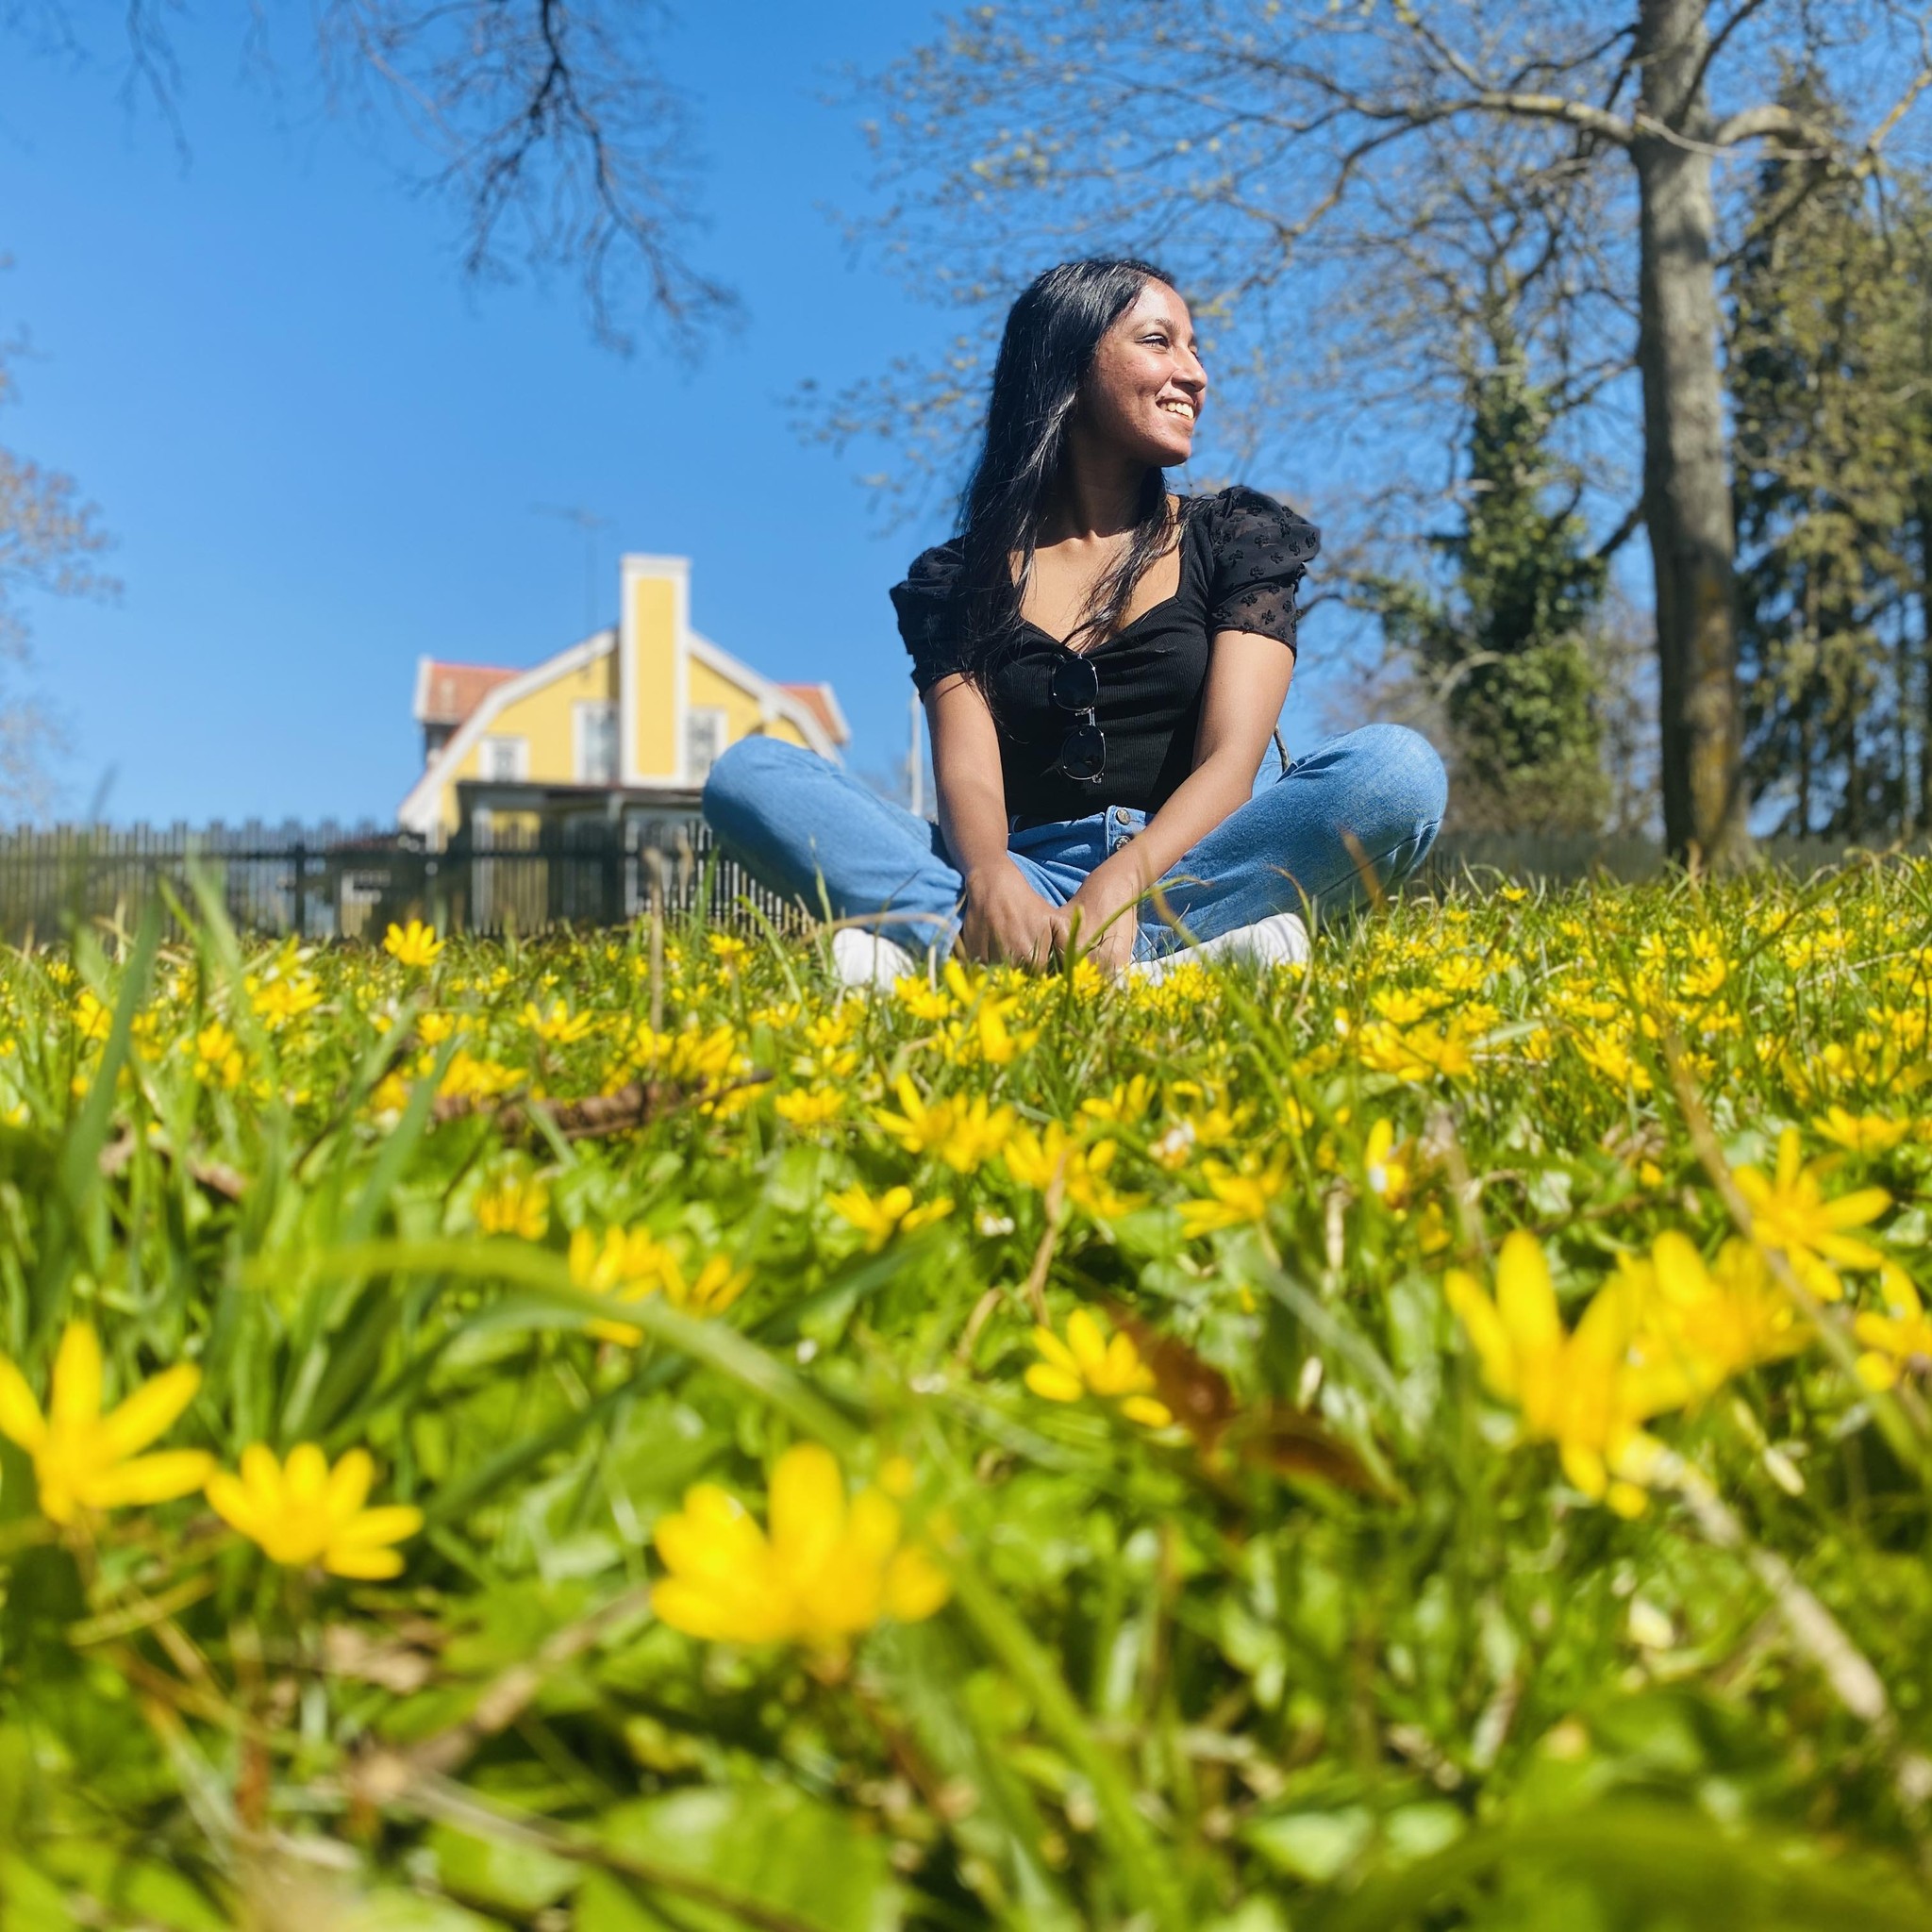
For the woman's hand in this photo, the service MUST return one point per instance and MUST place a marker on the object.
(1101, 921)
(1005, 918)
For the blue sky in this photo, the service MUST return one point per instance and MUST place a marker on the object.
(321, 453)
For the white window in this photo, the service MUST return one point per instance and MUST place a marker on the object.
(505, 759)
(705, 726)
(595, 737)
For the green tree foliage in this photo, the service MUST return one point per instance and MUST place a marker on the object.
(1506, 639)
(1829, 365)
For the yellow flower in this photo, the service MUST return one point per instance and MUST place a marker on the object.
(86, 1460)
(1125, 1105)
(1386, 1167)
(559, 1027)
(414, 945)
(305, 1512)
(624, 1267)
(829, 1569)
(1239, 1199)
(1696, 1326)
(962, 1133)
(1086, 1363)
(1868, 1133)
(1572, 1390)
(1460, 974)
(515, 1206)
(91, 1020)
(805, 1107)
(469, 1077)
(218, 1055)
(1609, 1053)
(1032, 1160)
(1899, 1338)
(1415, 1054)
(714, 1288)
(891, 1213)
(1791, 1216)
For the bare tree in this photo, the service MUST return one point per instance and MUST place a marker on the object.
(547, 128)
(50, 540)
(1310, 166)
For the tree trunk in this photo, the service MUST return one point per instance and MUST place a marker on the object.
(1685, 481)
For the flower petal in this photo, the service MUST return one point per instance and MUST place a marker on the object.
(389, 1525)
(21, 1419)
(1054, 1383)
(806, 1516)
(1524, 1300)
(150, 1480)
(76, 1396)
(348, 1485)
(151, 1412)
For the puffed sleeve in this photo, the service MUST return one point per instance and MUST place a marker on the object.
(1261, 549)
(928, 616)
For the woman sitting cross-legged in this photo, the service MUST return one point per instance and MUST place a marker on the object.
(1102, 665)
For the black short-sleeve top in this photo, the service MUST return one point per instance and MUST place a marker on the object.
(1243, 559)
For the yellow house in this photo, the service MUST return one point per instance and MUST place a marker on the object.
(626, 724)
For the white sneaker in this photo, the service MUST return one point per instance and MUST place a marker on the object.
(1280, 940)
(868, 958)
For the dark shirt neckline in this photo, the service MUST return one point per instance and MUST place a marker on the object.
(1095, 651)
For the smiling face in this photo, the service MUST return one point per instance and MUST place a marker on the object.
(1144, 390)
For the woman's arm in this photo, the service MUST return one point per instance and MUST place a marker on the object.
(1004, 918)
(1248, 676)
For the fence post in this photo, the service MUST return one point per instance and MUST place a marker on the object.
(301, 897)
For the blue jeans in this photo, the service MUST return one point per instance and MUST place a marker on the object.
(1373, 797)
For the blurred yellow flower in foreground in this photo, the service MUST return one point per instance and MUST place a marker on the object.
(809, 1107)
(1574, 1390)
(1086, 1363)
(1694, 1326)
(559, 1027)
(1791, 1215)
(891, 1213)
(518, 1206)
(963, 1133)
(86, 1460)
(1869, 1133)
(827, 1570)
(414, 945)
(1387, 1166)
(631, 1266)
(1239, 1199)
(305, 1513)
(1899, 1338)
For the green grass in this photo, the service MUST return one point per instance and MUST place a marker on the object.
(1336, 1647)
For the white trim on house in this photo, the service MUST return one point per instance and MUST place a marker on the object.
(420, 711)
(636, 565)
(773, 702)
(420, 811)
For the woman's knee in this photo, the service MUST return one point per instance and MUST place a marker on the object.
(1403, 775)
(746, 782)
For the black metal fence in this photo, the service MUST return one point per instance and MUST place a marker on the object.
(327, 882)
(331, 882)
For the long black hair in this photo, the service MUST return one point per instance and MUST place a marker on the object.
(1051, 335)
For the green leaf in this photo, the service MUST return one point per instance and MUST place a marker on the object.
(765, 1843)
(491, 1872)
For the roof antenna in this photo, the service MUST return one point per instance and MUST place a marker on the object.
(590, 522)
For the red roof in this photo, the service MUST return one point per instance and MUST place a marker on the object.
(818, 701)
(449, 692)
